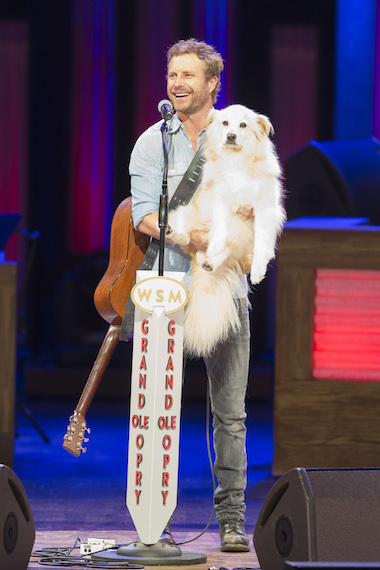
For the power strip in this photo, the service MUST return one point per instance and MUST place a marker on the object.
(95, 545)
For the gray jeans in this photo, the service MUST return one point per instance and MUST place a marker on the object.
(227, 372)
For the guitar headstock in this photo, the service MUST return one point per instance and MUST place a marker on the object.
(76, 435)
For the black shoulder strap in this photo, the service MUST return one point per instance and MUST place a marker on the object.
(182, 196)
(189, 183)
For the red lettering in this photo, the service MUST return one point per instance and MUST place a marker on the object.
(138, 478)
(169, 382)
(165, 479)
(144, 326)
(171, 328)
(140, 422)
(144, 344)
(142, 381)
(141, 401)
(171, 343)
(164, 496)
(168, 401)
(167, 422)
(143, 363)
(166, 460)
(139, 459)
(167, 442)
(139, 441)
(170, 365)
(137, 493)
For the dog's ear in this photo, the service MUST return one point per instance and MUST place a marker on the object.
(265, 125)
(210, 117)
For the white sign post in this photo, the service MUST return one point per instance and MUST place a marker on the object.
(154, 427)
(155, 408)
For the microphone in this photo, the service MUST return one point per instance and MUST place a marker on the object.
(166, 109)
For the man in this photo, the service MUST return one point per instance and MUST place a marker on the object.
(193, 82)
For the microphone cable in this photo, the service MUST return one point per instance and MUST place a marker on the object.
(208, 405)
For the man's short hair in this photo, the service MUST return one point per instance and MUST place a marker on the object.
(213, 60)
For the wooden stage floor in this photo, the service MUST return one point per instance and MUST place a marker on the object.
(208, 544)
(85, 497)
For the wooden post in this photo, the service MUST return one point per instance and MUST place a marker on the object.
(8, 316)
(319, 423)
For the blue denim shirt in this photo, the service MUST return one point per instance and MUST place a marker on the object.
(146, 170)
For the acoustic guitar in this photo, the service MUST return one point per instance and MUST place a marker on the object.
(127, 250)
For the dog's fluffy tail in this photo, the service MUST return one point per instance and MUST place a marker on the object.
(211, 314)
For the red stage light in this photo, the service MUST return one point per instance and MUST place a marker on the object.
(346, 332)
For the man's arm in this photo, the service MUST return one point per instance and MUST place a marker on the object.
(149, 226)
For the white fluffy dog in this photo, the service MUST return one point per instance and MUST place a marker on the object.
(240, 202)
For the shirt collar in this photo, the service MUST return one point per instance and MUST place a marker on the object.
(175, 124)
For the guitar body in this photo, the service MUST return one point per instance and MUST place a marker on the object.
(127, 250)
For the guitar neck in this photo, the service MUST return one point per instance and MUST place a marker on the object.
(77, 429)
(100, 365)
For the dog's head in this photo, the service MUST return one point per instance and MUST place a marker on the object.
(235, 127)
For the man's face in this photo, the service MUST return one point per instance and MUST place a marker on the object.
(187, 87)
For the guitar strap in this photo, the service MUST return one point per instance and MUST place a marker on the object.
(182, 196)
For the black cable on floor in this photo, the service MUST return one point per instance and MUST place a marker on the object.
(61, 556)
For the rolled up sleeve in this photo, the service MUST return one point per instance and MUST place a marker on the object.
(146, 171)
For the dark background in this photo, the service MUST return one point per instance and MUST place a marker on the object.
(58, 305)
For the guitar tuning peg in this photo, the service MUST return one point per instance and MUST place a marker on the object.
(84, 449)
(88, 430)
(86, 439)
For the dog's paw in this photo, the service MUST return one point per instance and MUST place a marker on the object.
(176, 237)
(256, 279)
(200, 257)
(214, 261)
(258, 271)
(207, 266)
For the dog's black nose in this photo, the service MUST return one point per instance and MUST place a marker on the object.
(231, 137)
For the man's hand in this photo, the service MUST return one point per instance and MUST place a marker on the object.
(149, 226)
(199, 239)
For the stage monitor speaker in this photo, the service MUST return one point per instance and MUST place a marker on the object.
(16, 522)
(331, 565)
(324, 515)
(334, 178)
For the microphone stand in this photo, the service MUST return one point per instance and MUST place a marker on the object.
(159, 553)
(163, 209)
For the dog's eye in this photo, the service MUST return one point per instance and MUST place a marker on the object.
(243, 125)
(225, 123)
